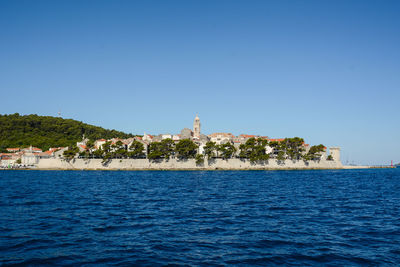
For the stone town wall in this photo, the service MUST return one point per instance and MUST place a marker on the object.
(144, 164)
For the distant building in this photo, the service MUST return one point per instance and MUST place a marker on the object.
(83, 142)
(45, 155)
(176, 137)
(147, 137)
(196, 127)
(13, 150)
(99, 143)
(54, 149)
(29, 158)
(186, 133)
(82, 147)
(204, 138)
(335, 153)
(243, 138)
(6, 156)
(31, 149)
(166, 136)
(128, 143)
(221, 138)
(157, 138)
(59, 153)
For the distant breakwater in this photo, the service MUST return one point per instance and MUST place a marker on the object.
(189, 164)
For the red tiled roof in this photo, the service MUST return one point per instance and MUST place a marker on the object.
(6, 155)
(276, 139)
(248, 135)
(33, 149)
(53, 149)
(83, 146)
(13, 149)
(44, 153)
(223, 134)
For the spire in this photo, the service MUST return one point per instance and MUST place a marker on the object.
(196, 126)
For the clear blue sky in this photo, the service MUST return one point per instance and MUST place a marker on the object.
(327, 71)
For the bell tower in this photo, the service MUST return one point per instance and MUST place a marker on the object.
(196, 127)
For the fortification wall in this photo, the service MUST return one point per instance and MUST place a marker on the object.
(143, 164)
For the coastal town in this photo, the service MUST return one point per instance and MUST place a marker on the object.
(188, 144)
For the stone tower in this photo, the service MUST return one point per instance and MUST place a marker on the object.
(196, 127)
(335, 153)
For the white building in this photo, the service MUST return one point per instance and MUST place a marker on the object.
(166, 136)
(99, 143)
(221, 138)
(147, 137)
(29, 158)
(335, 153)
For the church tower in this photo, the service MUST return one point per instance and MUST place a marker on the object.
(196, 127)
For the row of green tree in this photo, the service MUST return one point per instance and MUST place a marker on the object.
(108, 151)
(46, 131)
(253, 149)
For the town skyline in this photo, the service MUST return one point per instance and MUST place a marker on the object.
(190, 146)
(345, 155)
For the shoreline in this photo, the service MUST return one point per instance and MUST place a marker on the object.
(198, 169)
(188, 164)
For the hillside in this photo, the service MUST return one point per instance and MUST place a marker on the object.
(47, 131)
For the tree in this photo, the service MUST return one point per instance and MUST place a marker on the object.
(226, 150)
(137, 149)
(107, 147)
(254, 149)
(45, 131)
(89, 145)
(281, 156)
(186, 149)
(119, 150)
(84, 154)
(107, 156)
(258, 154)
(314, 153)
(279, 149)
(98, 153)
(155, 151)
(210, 149)
(163, 149)
(71, 152)
(199, 159)
(294, 147)
(167, 147)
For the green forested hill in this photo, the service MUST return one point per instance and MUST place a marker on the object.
(47, 131)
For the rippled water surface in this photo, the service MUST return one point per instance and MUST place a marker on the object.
(343, 217)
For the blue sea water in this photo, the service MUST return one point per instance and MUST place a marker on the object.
(152, 218)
